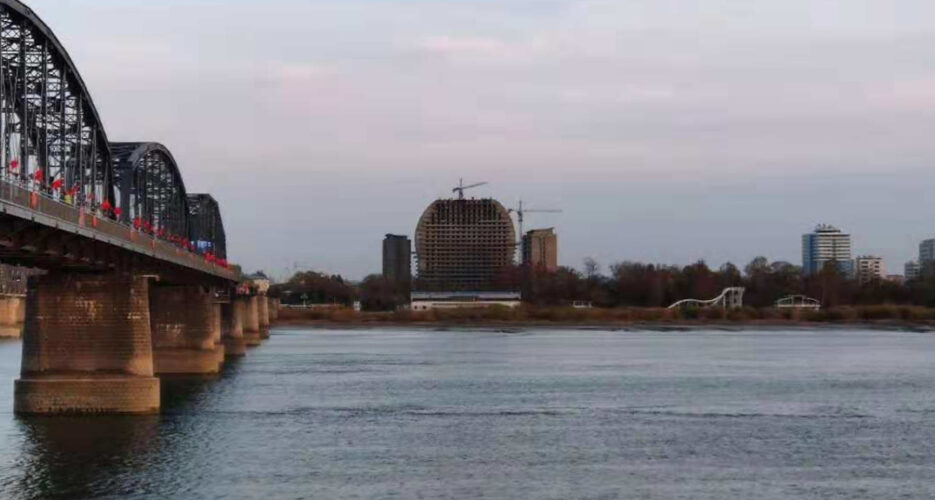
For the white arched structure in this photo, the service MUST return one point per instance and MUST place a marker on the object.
(798, 302)
(730, 298)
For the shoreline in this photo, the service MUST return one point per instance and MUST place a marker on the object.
(875, 317)
(650, 326)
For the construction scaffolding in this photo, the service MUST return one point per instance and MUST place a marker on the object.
(464, 245)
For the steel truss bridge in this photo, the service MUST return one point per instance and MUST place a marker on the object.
(71, 198)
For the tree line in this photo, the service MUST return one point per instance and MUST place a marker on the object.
(635, 284)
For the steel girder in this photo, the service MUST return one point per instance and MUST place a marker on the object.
(206, 228)
(51, 136)
(52, 142)
(152, 192)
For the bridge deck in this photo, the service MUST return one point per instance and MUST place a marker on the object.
(21, 203)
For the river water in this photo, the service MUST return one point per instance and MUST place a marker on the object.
(525, 414)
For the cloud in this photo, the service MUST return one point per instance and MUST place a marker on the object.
(632, 113)
(449, 45)
(289, 73)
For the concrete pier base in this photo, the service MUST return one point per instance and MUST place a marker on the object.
(273, 310)
(235, 348)
(251, 321)
(262, 303)
(87, 347)
(220, 354)
(232, 330)
(185, 336)
(219, 348)
(182, 361)
(82, 393)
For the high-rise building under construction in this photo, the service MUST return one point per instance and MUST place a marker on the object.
(464, 245)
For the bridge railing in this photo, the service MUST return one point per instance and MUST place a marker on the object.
(43, 209)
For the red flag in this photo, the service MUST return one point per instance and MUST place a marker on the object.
(14, 164)
(57, 184)
(106, 206)
(118, 211)
(137, 222)
(39, 175)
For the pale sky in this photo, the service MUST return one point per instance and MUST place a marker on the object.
(668, 131)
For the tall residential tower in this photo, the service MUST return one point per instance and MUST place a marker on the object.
(826, 244)
(926, 252)
(397, 259)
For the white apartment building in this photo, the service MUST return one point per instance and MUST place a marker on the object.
(826, 244)
(869, 268)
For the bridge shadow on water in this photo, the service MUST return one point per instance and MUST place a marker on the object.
(80, 457)
(183, 394)
(89, 456)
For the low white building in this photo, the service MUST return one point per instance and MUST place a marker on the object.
(426, 301)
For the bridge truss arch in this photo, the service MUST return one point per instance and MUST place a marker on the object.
(52, 139)
(152, 193)
(206, 228)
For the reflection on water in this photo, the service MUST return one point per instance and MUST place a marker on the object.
(85, 456)
(544, 414)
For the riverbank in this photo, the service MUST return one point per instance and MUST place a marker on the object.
(881, 317)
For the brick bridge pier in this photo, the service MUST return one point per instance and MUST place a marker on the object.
(97, 343)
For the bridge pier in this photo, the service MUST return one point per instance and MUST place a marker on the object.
(273, 310)
(251, 321)
(185, 330)
(263, 315)
(216, 333)
(232, 329)
(87, 346)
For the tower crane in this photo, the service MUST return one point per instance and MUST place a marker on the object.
(461, 188)
(521, 212)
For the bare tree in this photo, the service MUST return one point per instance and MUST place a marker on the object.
(591, 268)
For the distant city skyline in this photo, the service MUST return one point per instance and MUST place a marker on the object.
(709, 130)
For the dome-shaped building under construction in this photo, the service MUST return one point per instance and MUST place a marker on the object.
(464, 245)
